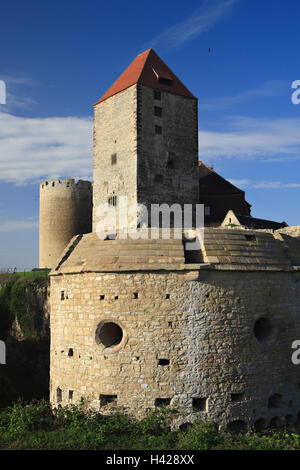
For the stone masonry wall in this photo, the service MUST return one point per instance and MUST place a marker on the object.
(115, 133)
(167, 161)
(191, 339)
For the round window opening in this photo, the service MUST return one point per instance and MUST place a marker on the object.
(109, 334)
(264, 331)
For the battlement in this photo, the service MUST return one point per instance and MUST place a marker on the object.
(66, 182)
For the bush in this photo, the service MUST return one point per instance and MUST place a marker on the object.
(37, 426)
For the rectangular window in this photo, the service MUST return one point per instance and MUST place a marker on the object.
(112, 200)
(170, 159)
(207, 210)
(157, 111)
(158, 129)
(106, 399)
(114, 159)
(157, 95)
(159, 179)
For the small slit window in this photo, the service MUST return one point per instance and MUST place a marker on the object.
(113, 158)
(163, 362)
(157, 111)
(170, 159)
(158, 130)
(159, 179)
(157, 95)
(112, 200)
(59, 395)
(207, 210)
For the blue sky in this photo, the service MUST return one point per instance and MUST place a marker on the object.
(57, 58)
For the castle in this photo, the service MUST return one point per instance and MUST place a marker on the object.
(144, 323)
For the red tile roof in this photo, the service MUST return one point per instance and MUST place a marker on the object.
(147, 69)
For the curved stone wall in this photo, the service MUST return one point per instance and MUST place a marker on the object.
(212, 342)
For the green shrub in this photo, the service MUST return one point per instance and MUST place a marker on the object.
(6, 317)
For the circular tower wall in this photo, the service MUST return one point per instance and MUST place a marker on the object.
(65, 210)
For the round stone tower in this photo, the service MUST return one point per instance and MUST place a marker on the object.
(65, 210)
(137, 324)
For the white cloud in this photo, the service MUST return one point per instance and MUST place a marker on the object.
(202, 20)
(16, 225)
(16, 95)
(244, 183)
(32, 149)
(253, 138)
(268, 89)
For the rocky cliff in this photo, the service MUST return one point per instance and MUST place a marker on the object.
(24, 327)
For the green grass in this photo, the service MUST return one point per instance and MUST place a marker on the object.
(31, 274)
(36, 426)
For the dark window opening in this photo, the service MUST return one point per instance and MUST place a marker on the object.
(158, 179)
(110, 334)
(59, 395)
(114, 159)
(275, 401)
(70, 352)
(236, 397)
(116, 297)
(157, 95)
(165, 81)
(207, 210)
(264, 331)
(62, 295)
(250, 238)
(70, 394)
(170, 323)
(135, 295)
(106, 399)
(102, 297)
(112, 200)
(163, 362)
(158, 129)
(162, 402)
(157, 111)
(200, 403)
(167, 296)
(171, 160)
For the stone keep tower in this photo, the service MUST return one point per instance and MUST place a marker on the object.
(145, 139)
(65, 210)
